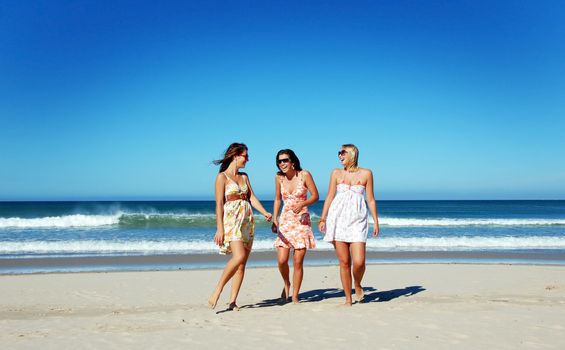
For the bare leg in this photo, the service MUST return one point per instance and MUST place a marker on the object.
(282, 258)
(238, 279)
(298, 273)
(239, 256)
(358, 260)
(342, 252)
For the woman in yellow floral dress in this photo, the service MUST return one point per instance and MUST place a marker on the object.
(234, 217)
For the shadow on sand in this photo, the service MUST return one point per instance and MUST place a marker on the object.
(388, 295)
(371, 295)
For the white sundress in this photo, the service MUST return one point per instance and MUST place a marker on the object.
(347, 219)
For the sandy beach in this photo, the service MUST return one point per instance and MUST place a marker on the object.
(406, 306)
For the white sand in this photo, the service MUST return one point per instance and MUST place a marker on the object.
(409, 307)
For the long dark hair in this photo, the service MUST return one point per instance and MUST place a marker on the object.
(235, 149)
(293, 159)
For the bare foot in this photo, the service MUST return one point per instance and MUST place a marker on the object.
(346, 304)
(359, 294)
(295, 300)
(213, 301)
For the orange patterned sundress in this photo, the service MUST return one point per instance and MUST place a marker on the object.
(292, 233)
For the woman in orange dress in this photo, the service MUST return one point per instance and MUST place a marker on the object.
(293, 228)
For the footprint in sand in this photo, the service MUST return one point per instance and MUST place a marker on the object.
(92, 296)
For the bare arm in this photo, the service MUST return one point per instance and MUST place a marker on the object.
(219, 192)
(311, 186)
(371, 202)
(277, 204)
(256, 203)
(331, 194)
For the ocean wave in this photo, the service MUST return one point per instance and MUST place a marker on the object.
(121, 219)
(209, 220)
(107, 247)
(77, 220)
(422, 222)
(464, 243)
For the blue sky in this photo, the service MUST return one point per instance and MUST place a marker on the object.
(134, 99)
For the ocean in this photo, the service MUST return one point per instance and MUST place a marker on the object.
(44, 230)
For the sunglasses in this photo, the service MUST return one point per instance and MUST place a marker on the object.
(284, 160)
(341, 153)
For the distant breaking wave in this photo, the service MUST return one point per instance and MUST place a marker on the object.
(209, 220)
(410, 222)
(77, 220)
(146, 247)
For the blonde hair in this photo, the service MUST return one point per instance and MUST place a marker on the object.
(353, 158)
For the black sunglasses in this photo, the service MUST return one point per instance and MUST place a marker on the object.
(284, 160)
(342, 152)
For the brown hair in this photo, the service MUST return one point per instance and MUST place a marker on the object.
(293, 158)
(354, 158)
(235, 149)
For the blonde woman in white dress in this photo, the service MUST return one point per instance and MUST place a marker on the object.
(344, 219)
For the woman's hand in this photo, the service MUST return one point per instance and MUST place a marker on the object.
(268, 216)
(322, 226)
(275, 226)
(298, 207)
(219, 238)
(376, 230)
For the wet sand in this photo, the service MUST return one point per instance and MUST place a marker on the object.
(264, 259)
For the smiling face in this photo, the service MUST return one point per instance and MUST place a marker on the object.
(343, 156)
(284, 163)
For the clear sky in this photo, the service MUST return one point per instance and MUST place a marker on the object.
(134, 99)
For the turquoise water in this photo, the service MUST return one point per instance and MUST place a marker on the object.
(65, 229)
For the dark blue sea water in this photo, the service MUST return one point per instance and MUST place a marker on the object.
(65, 229)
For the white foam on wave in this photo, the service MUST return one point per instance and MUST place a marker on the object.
(411, 222)
(83, 220)
(77, 220)
(200, 246)
(464, 243)
(105, 247)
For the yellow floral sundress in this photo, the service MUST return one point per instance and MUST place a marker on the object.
(239, 224)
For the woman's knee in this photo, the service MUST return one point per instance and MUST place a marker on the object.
(358, 264)
(240, 260)
(344, 263)
(282, 261)
(283, 264)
